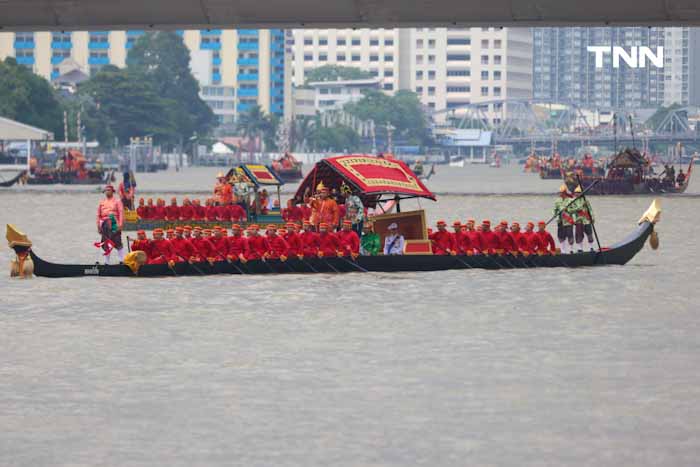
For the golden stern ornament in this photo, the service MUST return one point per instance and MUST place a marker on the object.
(21, 265)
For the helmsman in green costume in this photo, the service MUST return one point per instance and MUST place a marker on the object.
(583, 219)
(563, 209)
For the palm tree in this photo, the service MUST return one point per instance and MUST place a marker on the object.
(252, 124)
(302, 130)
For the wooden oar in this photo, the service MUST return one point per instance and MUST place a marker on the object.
(463, 262)
(307, 263)
(228, 260)
(352, 263)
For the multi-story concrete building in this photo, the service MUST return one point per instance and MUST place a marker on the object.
(372, 50)
(236, 69)
(564, 70)
(447, 67)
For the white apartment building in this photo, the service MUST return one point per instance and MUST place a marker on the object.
(447, 67)
(372, 50)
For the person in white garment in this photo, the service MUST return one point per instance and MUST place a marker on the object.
(394, 241)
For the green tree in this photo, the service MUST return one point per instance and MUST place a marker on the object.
(29, 98)
(403, 111)
(128, 104)
(254, 124)
(337, 138)
(334, 73)
(163, 59)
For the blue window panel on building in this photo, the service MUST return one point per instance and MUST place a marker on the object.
(24, 44)
(180, 32)
(210, 32)
(210, 46)
(98, 60)
(248, 92)
(56, 60)
(242, 107)
(135, 32)
(248, 77)
(248, 46)
(25, 60)
(248, 61)
(54, 74)
(277, 109)
(247, 32)
(216, 61)
(61, 45)
(98, 45)
(216, 77)
(98, 33)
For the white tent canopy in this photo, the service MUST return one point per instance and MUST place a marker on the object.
(221, 148)
(11, 130)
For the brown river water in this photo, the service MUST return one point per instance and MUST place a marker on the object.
(590, 366)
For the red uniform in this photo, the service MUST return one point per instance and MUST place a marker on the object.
(158, 213)
(187, 212)
(349, 242)
(237, 212)
(443, 241)
(223, 213)
(519, 241)
(294, 242)
(532, 241)
(210, 212)
(463, 243)
(309, 243)
(172, 213)
(292, 214)
(237, 245)
(161, 252)
(183, 248)
(203, 249)
(142, 212)
(277, 246)
(490, 241)
(199, 212)
(474, 240)
(143, 245)
(506, 241)
(328, 244)
(220, 245)
(545, 242)
(257, 247)
(305, 212)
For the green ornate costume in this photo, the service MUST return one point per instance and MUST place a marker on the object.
(582, 211)
(564, 209)
(370, 244)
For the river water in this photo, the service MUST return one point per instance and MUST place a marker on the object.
(581, 367)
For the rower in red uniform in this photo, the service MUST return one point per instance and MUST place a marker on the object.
(141, 210)
(142, 243)
(257, 244)
(519, 241)
(293, 240)
(443, 241)
(161, 250)
(172, 212)
(349, 241)
(507, 244)
(204, 250)
(473, 236)
(187, 232)
(531, 239)
(292, 213)
(237, 212)
(457, 236)
(277, 245)
(546, 242)
(150, 209)
(187, 210)
(328, 244)
(183, 248)
(237, 244)
(159, 210)
(169, 234)
(199, 212)
(210, 210)
(223, 213)
(490, 242)
(309, 241)
(220, 243)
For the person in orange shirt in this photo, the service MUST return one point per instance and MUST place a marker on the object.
(324, 209)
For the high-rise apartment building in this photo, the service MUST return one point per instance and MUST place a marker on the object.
(564, 70)
(447, 67)
(236, 69)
